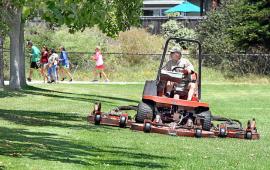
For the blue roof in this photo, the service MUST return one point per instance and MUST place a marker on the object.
(184, 7)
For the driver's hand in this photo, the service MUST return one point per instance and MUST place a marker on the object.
(184, 71)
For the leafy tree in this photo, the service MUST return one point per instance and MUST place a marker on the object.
(111, 16)
(2, 34)
(254, 28)
(1, 63)
(237, 26)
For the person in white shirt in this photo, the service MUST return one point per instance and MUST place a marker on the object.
(52, 64)
(186, 68)
(99, 69)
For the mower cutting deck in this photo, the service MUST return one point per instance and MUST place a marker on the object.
(223, 130)
(115, 117)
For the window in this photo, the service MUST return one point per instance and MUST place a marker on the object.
(148, 12)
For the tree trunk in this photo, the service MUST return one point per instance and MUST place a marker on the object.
(15, 61)
(1, 62)
(22, 57)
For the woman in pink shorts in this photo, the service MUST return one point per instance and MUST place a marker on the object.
(99, 69)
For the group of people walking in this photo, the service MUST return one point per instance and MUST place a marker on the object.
(54, 67)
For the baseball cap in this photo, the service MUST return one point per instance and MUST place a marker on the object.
(175, 50)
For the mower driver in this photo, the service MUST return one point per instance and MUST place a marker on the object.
(187, 69)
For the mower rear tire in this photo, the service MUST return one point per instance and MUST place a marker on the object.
(206, 125)
(122, 122)
(145, 111)
(97, 119)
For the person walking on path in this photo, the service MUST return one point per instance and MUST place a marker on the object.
(52, 64)
(44, 62)
(35, 58)
(99, 69)
(64, 64)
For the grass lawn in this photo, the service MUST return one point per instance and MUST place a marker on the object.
(44, 127)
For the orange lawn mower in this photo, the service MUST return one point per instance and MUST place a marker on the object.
(160, 113)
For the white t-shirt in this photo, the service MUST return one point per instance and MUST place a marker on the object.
(99, 59)
(53, 59)
(183, 63)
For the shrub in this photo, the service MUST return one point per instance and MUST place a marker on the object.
(173, 28)
(138, 40)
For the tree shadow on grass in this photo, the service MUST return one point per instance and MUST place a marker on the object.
(41, 118)
(59, 94)
(37, 90)
(9, 93)
(53, 94)
(50, 147)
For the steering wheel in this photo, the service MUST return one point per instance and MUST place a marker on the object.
(174, 69)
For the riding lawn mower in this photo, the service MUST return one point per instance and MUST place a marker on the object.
(165, 114)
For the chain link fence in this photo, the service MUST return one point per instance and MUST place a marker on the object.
(256, 63)
(126, 65)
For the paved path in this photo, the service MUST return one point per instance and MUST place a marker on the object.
(81, 82)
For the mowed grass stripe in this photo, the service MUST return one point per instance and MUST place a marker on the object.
(44, 127)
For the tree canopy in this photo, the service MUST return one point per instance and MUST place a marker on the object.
(238, 25)
(253, 30)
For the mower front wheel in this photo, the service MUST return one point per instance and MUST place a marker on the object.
(248, 135)
(147, 127)
(198, 133)
(122, 122)
(97, 119)
(222, 132)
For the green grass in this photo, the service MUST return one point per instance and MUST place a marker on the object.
(45, 127)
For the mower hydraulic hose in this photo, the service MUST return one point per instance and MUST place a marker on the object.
(126, 108)
(219, 118)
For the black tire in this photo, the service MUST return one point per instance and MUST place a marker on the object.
(145, 111)
(150, 88)
(147, 128)
(206, 124)
(198, 133)
(122, 122)
(222, 132)
(248, 135)
(97, 119)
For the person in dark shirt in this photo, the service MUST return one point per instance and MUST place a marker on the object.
(44, 62)
(64, 64)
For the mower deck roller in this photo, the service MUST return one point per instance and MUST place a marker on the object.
(115, 117)
(223, 130)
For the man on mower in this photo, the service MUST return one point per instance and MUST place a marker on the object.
(183, 65)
